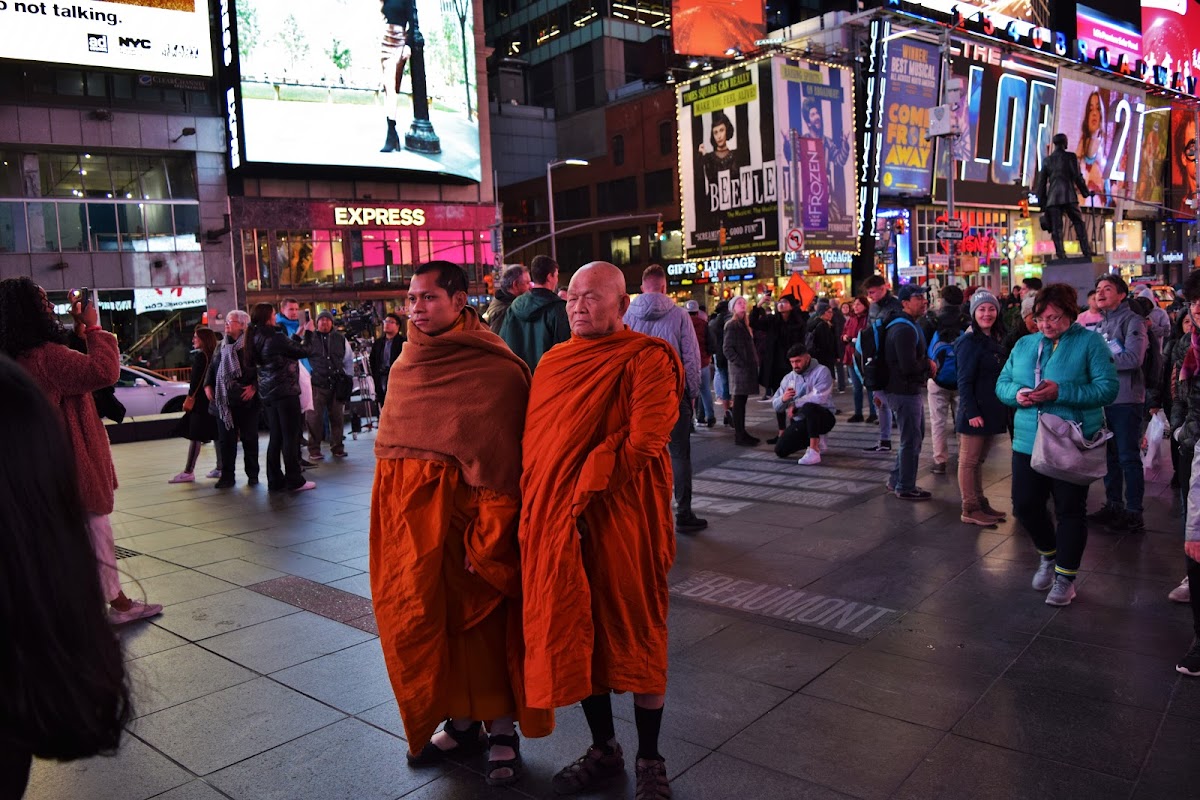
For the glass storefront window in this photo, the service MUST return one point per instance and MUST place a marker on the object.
(12, 228)
(327, 257)
(73, 227)
(132, 226)
(187, 226)
(160, 227)
(296, 264)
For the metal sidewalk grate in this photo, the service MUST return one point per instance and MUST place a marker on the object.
(125, 552)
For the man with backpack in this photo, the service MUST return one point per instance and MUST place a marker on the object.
(942, 331)
(868, 356)
(908, 369)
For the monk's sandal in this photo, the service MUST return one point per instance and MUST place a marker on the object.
(652, 781)
(513, 765)
(594, 767)
(467, 743)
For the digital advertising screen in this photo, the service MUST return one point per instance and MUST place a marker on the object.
(1097, 29)
(906, 161)
(712, 27)
(1006, 117)
(727, 167)
(1102, 121)
(814, 120)
(168, 36)
(1183, 160)
(1171, 35)
(331, 84)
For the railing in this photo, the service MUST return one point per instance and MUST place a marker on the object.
(49, 225)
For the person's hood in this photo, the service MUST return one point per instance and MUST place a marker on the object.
(533, 305)
(503, 297)
(1147, 293)
(650, 306)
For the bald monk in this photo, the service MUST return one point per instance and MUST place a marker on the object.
(444, 510)
(597, 535)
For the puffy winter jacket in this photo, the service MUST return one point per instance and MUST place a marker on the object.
(535, 322)
(1125, 333)
(277, 357)
(657, 315)
(1083, 368)
(979, 359)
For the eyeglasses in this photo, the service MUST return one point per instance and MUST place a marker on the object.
(1195, 304)
(1048, 320)
(1189, 150)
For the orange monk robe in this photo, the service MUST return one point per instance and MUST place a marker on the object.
(596, 463)
(446, 492)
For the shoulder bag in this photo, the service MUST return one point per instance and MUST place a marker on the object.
(1061, 451)
(189, 402)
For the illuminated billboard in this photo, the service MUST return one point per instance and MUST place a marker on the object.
(1006, 115)
(1097, 29)
(1170, 31)
(712, 27)
(1102, 121)
(906, 163)
(1183, 161)
(169, 36)
(331, 84)
(727, 166)
(814, 116)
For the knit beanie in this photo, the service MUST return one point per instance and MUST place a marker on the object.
(1027, 304)
(981, 296)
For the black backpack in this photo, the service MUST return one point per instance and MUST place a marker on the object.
(870, 360)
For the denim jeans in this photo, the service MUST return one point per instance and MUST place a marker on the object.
(680, 447)
(706, 393)
(885, 416)
(909, 412)
(858, 391)
(1125, 483)
(721, 384)
(840, 369)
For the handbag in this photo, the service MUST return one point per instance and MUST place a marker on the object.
(189, 402)
(1061, 451)
(343, 387)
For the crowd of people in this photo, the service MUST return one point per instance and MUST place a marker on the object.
(518, 573)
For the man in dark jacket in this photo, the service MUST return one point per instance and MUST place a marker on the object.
(1055, 189)
(514, 282)
(908, 369)
(884, 308)
(821, 339)
(384, 352)
(332, 362)
(537, 320)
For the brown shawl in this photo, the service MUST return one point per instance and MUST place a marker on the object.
(459, 398)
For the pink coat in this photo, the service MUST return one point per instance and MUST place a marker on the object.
(68, 378)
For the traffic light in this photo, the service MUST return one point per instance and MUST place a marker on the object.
(1024, 206)
(721, 235)
(658, 230)
(900, 226)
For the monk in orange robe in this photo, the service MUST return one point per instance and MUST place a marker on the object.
(597, 535)
(444, 510)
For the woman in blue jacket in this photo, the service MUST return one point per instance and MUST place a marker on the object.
(1078, 380)
(979, 356)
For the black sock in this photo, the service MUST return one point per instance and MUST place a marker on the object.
(598, 710)
(648, 721)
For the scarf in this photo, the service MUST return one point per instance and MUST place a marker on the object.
(1191, 361)
(464, 401)
(229, 369)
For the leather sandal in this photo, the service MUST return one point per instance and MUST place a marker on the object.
(514, 764)
(466, 743)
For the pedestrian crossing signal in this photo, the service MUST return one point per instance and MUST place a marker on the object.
(721, 235)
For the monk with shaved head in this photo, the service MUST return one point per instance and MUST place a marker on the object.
(597, 535)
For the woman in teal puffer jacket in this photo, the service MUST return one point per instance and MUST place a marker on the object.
(1078, 380)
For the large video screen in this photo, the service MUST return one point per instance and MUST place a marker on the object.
(1170, 31)
(331, 83)
(1183, 160)
(170, 36)
(712, 27)
(727, 169)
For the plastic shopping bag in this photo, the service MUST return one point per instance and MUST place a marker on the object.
(1156, 455)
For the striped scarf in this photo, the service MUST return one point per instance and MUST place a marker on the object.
(229, 369)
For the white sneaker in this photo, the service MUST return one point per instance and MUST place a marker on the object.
(1043, 579)
(809, 458)
(183, 477)
(308, 486)
(1181, 593)
(1062, 592)
(213, 473)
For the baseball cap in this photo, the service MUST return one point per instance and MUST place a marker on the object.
(909, 291)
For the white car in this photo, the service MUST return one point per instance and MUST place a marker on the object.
(144, 392)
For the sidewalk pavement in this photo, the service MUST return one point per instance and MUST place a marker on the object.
(827, 641)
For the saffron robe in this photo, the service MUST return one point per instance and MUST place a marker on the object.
(597, 536)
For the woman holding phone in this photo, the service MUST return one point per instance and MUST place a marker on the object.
(1066, 370)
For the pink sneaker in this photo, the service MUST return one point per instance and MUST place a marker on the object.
(137, 610)
(183, 477)
(308, 486)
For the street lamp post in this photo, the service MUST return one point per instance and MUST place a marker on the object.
(574, 162)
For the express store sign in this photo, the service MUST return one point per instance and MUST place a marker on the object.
(968, 17)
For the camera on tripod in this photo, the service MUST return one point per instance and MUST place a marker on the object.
(358, 322)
